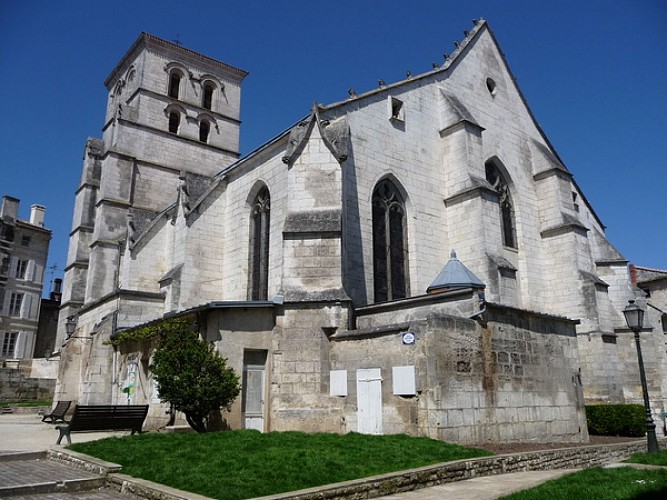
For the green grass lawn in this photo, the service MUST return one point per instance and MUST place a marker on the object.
(246, 464)
(622, 483)
(659, 458)
(26, 404)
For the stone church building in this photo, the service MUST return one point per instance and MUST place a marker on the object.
(415, 258)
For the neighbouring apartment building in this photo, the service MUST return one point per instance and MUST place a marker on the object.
(24, 249)
(415, 258)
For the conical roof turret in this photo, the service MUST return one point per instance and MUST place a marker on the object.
(455, 275)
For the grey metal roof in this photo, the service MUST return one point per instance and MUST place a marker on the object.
(455, 275)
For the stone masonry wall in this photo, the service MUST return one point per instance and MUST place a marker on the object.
(14, 386)
(513, 380)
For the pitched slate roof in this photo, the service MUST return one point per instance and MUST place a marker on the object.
(455, 275)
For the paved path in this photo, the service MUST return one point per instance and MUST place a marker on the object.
(483, 488)
(23, 433)
(27, 432)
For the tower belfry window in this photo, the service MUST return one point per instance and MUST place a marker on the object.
(204, 130)
(258, 275)
(174, 122)
(207, 97)
(507, 222)
(174, 84)
(389, 243)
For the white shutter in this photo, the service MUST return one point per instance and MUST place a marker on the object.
(39, 272)
(13, 267)
(34, 309)
(338, 382)
(26, 305)
(20, 345)
(30, 272)
(5, 305)
(403, 378)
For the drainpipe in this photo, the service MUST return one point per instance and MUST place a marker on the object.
(482, 303)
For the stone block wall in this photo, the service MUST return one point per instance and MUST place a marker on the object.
(299, 388)
(516, 379)
(16, 386)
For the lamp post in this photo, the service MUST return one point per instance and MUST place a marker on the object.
(634, 317)
(70, 326)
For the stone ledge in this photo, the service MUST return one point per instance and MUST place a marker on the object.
(83, 462)
(432, 475)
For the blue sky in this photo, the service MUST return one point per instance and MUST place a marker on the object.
(593, 72)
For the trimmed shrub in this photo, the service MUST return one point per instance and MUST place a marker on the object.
(616, 420)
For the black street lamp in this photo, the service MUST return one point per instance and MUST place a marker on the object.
(70, 326)
(634, 317)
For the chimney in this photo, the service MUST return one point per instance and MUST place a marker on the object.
(37, 215)
(10, 208)
(633, 275)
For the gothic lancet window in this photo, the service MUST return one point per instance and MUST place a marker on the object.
(258, 275)
(507, 223)
(389, 243)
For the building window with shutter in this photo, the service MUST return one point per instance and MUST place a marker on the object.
(20, 269)
(258, 275)
(389, 243)
(15, 303)
(8, 344)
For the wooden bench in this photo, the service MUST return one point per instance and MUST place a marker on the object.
(58, 413)
(104, 418)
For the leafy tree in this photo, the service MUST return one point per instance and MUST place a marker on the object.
(192, 376)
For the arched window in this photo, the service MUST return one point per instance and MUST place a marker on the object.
(174, 83)
(508, 226)
(258, 275)
(174, 122)
(207, 96)
(389, 243)
(204, 129)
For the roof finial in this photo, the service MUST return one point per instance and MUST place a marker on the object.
(351, 92)
(452, 254)
(381, 83)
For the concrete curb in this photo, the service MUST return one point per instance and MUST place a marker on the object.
(142, 488)
(67, 486)
(16, 456)
(83, 462)
(460, 470)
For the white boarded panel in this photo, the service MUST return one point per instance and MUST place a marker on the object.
(403, 378)
(338, 382)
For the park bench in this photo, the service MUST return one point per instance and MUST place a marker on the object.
(58, 413)
(104, 418)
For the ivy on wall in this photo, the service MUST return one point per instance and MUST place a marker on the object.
(152, 331)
